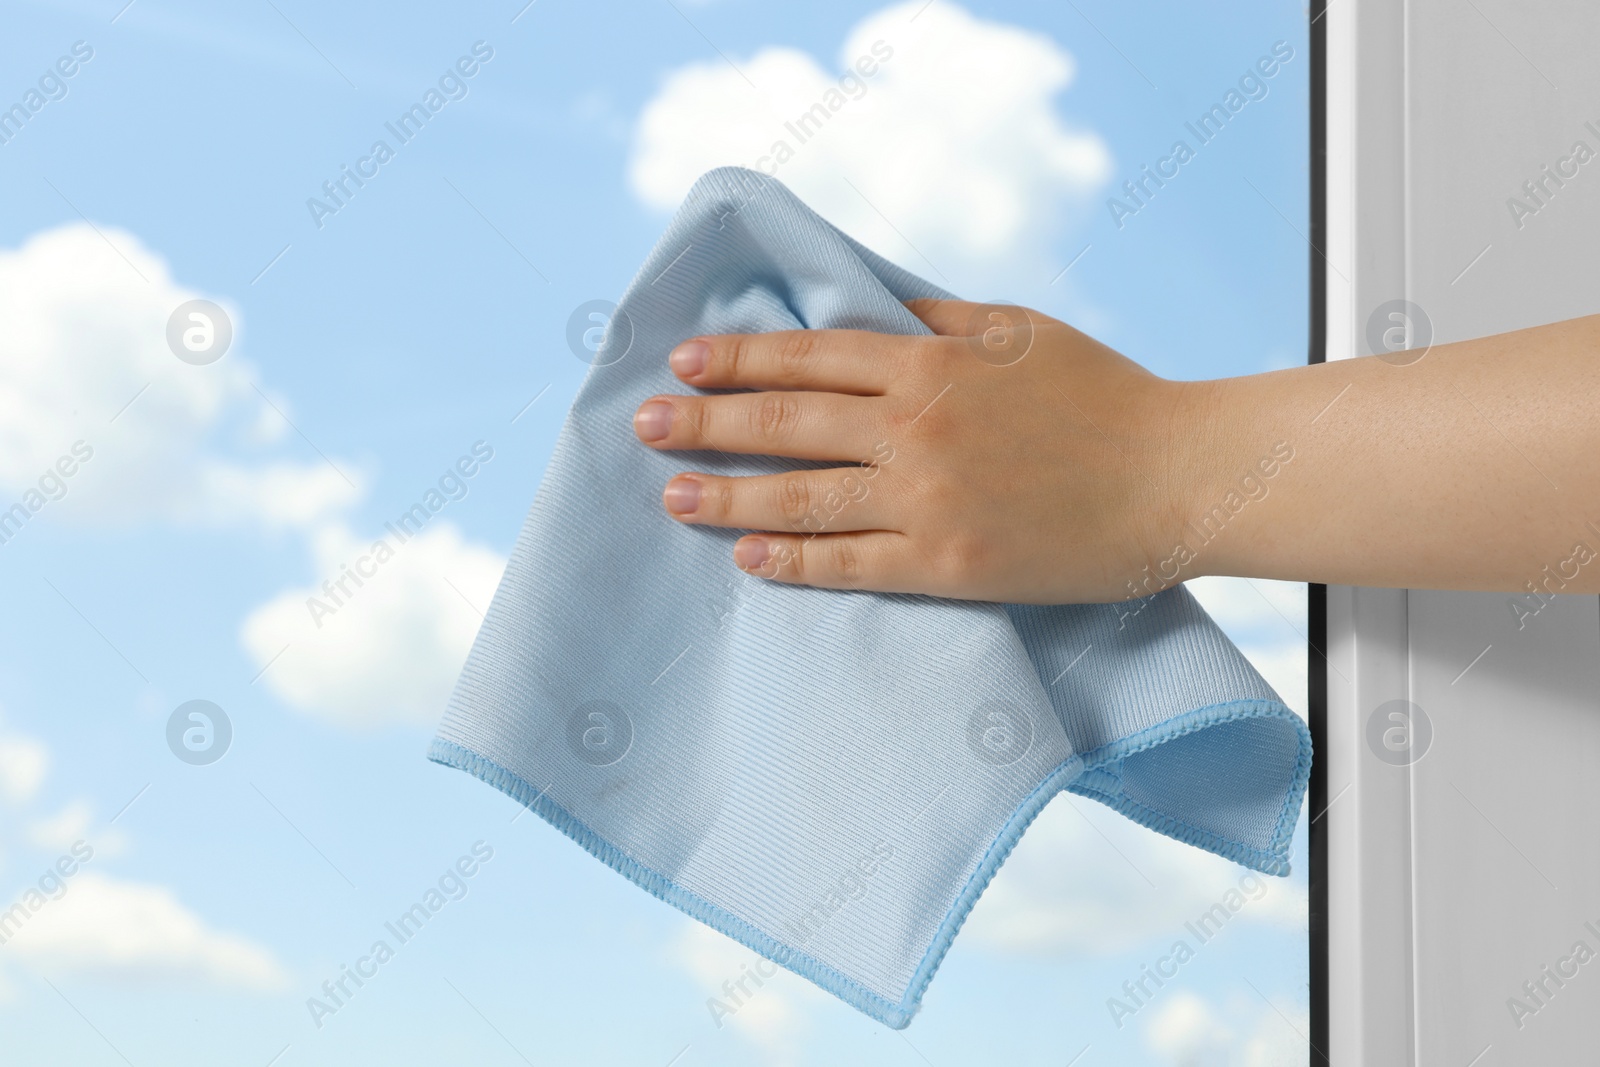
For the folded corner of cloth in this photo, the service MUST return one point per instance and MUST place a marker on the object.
(831, 778)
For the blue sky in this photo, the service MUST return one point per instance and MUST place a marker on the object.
(372, 351)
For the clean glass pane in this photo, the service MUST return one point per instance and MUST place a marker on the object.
(374, 316)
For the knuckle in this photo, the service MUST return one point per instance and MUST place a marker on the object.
(918, 418)
(786, 562)
(963, 553)
(911, 361)
(793, 353)
(793, 499)
(845, 559)
(773, 416)
(940, 496)
(716, 498)
(927, 351)
(692, 418)
(733, 358)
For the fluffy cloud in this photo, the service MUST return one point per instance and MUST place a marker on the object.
(1073, 886)
(952, 145)
(390, 651)
(136, 930)
(84, 357)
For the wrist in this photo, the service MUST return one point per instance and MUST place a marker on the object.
(1196, 481)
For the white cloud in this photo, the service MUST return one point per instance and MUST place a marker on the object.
(136, 930)
(57, 833)
(1278, 1041)
(1189, 1031)
(84, 357)
(23, 763)
(770, 1014)
(391, 650)
(1071, 887)
(1267, 620)
(955, 138)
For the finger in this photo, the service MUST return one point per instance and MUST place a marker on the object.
(798, 425)
(878, 560)
(806, 502)
(947, 318)
(839, 361)
(963, 318)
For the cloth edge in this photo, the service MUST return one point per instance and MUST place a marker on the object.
(898, 1016)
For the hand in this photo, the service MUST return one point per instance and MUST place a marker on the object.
(1022, 463)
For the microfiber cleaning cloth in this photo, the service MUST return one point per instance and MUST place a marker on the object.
(829, 777)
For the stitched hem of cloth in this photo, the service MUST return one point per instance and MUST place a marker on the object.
(899, 1015)
(1274, 859)
(840, 985)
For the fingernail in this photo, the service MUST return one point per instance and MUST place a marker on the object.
(751, 554)
(689, 358)
(653, 421)
(682, 496)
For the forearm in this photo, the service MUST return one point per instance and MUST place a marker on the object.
(1476, 467)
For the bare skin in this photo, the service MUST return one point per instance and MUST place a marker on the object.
(1011, 458)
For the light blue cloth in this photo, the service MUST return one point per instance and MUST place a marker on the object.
(831, 778)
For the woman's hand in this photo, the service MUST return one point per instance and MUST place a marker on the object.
(1006, 458)
(1011, 458)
